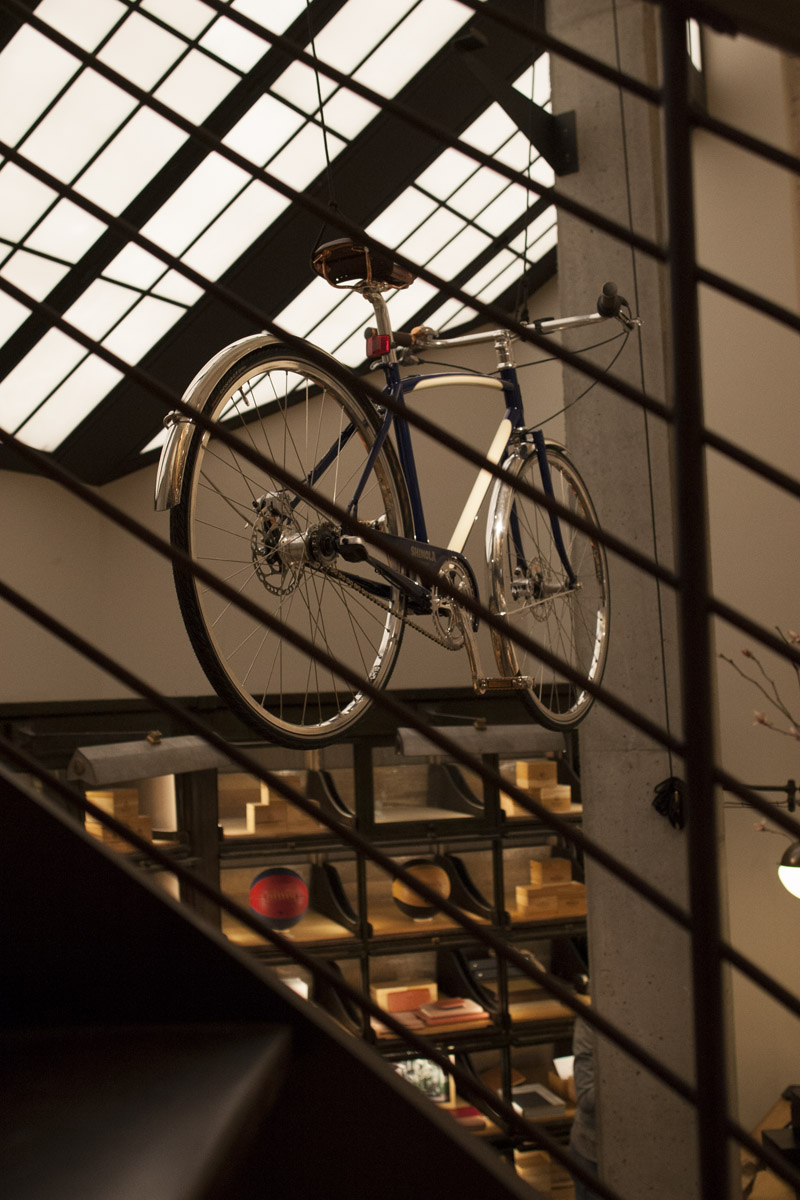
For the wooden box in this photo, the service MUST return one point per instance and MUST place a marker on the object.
(263, 817)
(122, 803)
(555, 797)
(556, 900)
(535, 1167)
(550, 870)
(236, 789)
(536, 772)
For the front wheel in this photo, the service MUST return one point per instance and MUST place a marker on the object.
(246, 524)
(532, 592)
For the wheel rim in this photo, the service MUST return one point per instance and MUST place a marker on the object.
(532, 593)
(279, 550)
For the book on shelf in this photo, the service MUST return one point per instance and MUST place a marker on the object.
(448, 1010)
(534, 1101)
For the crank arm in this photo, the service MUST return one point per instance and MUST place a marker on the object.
(353, 549)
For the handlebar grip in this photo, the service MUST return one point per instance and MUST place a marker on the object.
(402, 339)
(608, 302)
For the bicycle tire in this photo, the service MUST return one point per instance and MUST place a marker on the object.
(530, 590)
(280, 550)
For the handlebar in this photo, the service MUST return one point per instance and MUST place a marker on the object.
(610, 305)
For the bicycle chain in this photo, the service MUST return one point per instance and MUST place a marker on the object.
(348, 582)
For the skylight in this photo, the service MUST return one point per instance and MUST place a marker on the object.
(91, 134)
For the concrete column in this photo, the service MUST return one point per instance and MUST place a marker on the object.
(639, 960)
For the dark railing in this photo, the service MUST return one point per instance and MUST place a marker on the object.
(696, 605)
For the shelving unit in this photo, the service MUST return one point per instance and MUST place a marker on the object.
(412, 802)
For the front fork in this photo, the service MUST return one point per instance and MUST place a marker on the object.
(555, 524)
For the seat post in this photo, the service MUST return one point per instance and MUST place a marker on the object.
(374, 293)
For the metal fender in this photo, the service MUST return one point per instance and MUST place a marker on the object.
(181, 428)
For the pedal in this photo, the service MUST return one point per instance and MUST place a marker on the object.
(513, 683)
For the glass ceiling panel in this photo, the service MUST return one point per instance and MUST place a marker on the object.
(189, 17)
(12, 314)
(263, 130)
(196, 86)
(23, 200)
(426, 240)
(66, 232)
(510, 204)
(413, 43)
(24, 93)
(237, 46)
(478, 192)
(138, 152)
(135, 266)
(85, 22)
(458, 253)
(142, 51)
(39, 372)
(197, 201)
(298, 84)
(33, 274)
(304, 157)
(100, 307)
(74, 400)
(236, 229)
(355, 31)
(353, 313)
(96, 137)
(79, 124)
(143, 326)
(312, 305)
(446, 173)
(277, 17)
(401, 217)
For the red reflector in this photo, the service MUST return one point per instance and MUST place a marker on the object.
(378, 344)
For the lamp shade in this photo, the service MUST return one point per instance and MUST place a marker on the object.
(789, 869)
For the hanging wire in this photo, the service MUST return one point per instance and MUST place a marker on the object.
(332, 204)
(648, 449)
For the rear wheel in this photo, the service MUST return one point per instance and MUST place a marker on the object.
(273, 547)
(531, 590)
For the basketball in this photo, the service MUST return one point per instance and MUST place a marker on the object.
(408, 901)
(279, 896)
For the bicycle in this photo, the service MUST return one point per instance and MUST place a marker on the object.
(329, 532)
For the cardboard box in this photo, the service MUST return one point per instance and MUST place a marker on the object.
(550, 870)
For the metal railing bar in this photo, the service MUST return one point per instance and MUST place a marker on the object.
(690, 507)
(758, 466)
(704, 120)
(752, 299)
(765, 636)
(752, 799)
